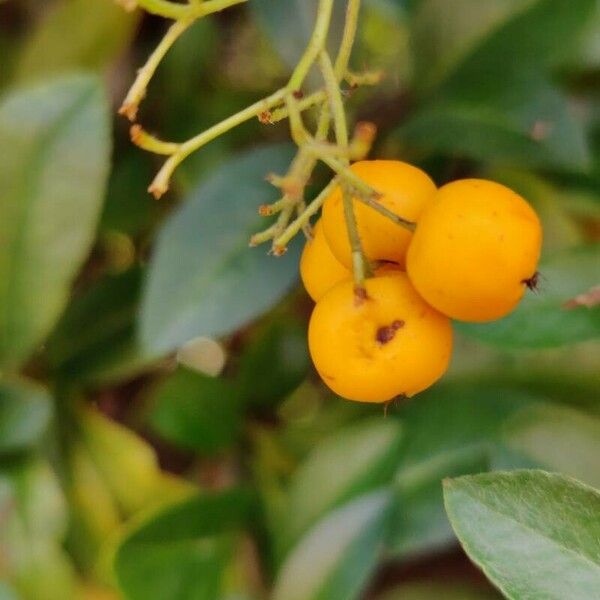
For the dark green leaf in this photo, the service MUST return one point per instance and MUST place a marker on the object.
(346, 464)
(449, 431)
(76, 34)
(535, 534)
(557, 438)
(95, 341)
(468, 44)
(196, 411)
(275, 362)
(544, 318)
(51, 188)
(335, 558)
(25, 411)
(181, 551)
(522, 125)
(204, 280)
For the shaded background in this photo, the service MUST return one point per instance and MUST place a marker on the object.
(130, 470)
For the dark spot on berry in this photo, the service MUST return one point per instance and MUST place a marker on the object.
(386, 333)
(533, 282)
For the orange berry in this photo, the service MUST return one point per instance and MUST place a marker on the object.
(391, 343)
(406, 191)
(320, 270)
(475, 249)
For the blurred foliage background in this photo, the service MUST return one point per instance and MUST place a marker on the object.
(162, 435)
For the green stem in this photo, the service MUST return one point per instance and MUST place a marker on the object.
(138, 89)
(161, 182)
(174, 10)
(336, 103)
(386, 212)
(315, 45)
(348, 37)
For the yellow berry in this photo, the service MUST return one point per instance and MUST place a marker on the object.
(475, 249)
(405, 190)
(320, 270)
(391, 343)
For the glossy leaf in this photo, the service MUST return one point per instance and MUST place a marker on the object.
(544, 318)
(51, 188)
(534, 534)
(335, 558)
(345, 464)
(76, 34)
(25, 410)
(197, 412)
(182, 551)
(203, 279)
(557, 438)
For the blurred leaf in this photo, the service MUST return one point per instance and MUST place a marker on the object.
(557, 438)
(528, 124)
(534, 534)
(181, 552)
(127, 464)
(197, 412)
(470, 44)
(76, 34)
(346, 464)
(33, 523)
(541, 320)
(94, 514)
(7, 592)
(51, 189)
(450, 431)
(289, 25)
(275, 362)
(435, 591)
(203, 279)
(95, 340)
(334, 559)
(25, 411)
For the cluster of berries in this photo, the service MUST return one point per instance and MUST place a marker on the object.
(471, 257)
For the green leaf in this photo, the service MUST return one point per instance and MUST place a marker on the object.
(275, 361)
(51, 188)
(127, 464)
(470, 44)
(544, 319)
(203, 279)
(502, 126)
(335, 558)
(450, 431)
(557, 438)
(197, 412)
(76, 34)
(344, 465)
(32, 528)
(95, 340)
(181, 552)
(25, 410)
(534, 534)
